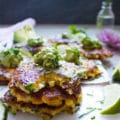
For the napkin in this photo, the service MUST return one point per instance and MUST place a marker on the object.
(6, 34)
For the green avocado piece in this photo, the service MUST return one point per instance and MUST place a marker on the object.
(67, 36)
(48, 58)
(72, 55)
(90, 44)
(24, 34)
(69, 54)
(35, 42)
(10, 58)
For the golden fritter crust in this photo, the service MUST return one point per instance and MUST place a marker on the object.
(29, 78)
(50, 96)
(44, 110)
(98, 54)
(5, 75)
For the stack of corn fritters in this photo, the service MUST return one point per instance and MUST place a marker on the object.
(46, 93)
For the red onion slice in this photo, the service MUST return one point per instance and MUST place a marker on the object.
(110, 37)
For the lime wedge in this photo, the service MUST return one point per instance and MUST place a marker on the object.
(112, 99)
(116, 74)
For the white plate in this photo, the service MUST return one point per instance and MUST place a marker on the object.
(104, 78)
(92, 94)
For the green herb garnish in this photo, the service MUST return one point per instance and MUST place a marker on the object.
(77, 109)
(94, 108)
(100, 101)
(86, 113)
(29, 88)
(93, 118)
(74, 30)
(89, 94)
(75, 34)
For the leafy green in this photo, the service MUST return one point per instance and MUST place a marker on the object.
(74, 30)
(75, 34)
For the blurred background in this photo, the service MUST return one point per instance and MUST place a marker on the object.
(54, 11)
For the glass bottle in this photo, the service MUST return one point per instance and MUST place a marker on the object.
(105, 17)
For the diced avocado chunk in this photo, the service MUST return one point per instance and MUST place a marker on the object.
(24, 34)
(116, 74)
(72, 55)
(35, 42)
(26, 53)
(10, 58)
(69, 54)
(48, 58)
(90, 44)
(66, 36)
(3, 111)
